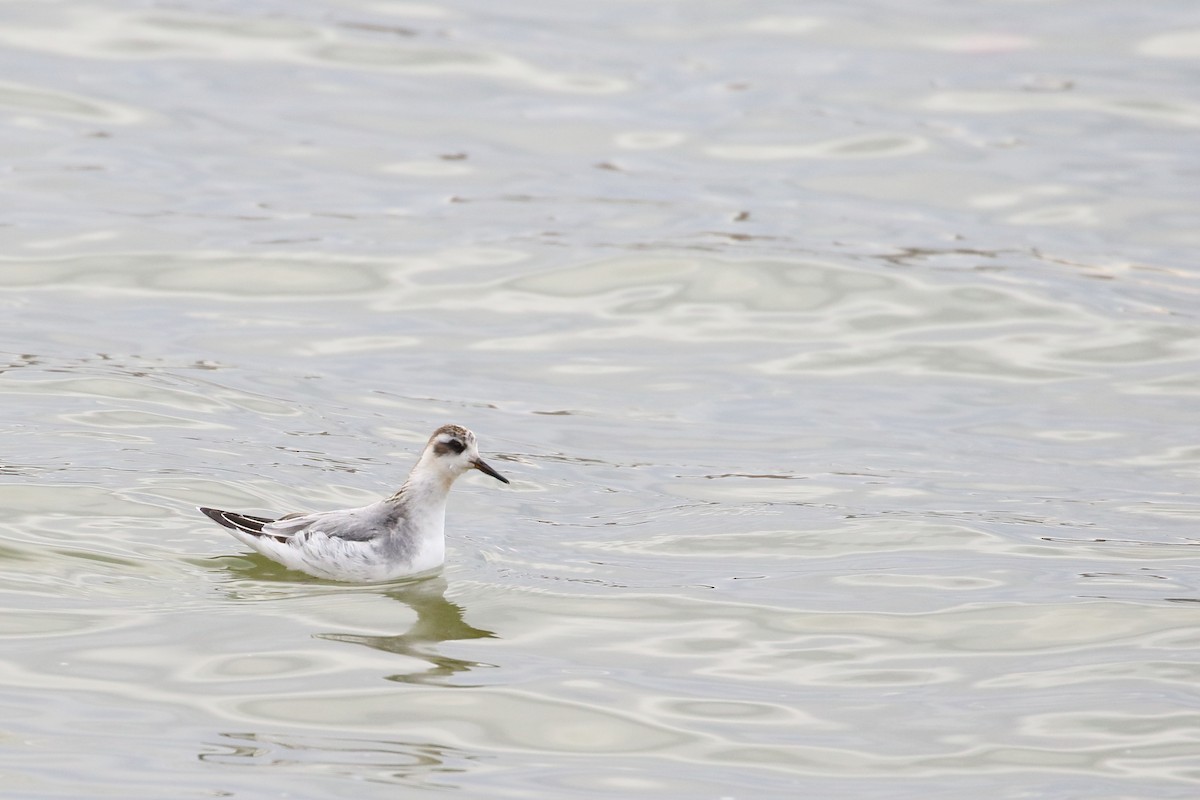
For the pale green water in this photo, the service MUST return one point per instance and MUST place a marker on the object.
(844, 360)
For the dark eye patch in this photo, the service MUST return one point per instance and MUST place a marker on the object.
(441, 448)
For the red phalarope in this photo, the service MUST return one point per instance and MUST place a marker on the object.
(395, 537)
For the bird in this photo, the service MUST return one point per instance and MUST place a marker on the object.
(397, 537)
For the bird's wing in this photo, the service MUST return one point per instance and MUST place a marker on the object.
(354, 524)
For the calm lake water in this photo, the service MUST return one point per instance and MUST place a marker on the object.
(845, 359)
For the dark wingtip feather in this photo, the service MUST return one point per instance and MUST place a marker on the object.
(215, 514)
(231, 519)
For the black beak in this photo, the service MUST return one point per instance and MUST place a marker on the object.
(483, 467)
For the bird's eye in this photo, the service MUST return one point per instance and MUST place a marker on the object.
(456, 445)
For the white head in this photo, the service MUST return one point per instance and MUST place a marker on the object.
(452, 451)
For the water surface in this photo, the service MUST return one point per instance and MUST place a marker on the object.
(844, 360)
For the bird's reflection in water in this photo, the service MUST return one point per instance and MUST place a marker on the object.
(438, 620)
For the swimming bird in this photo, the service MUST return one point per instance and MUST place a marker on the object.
(395, 537)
